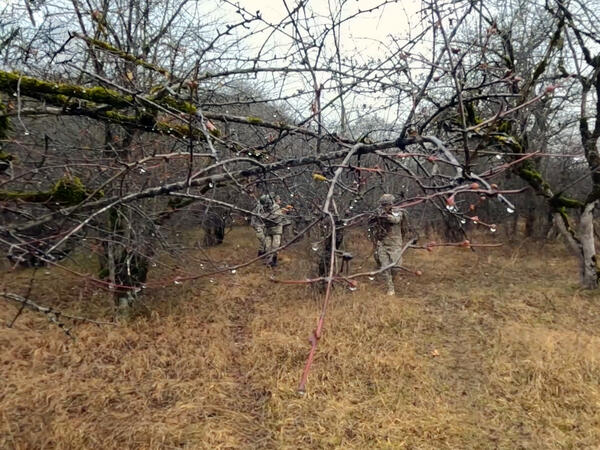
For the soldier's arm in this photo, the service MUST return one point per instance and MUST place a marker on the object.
(405, 225)
(279, 218)
(395, 216)
(255, 221)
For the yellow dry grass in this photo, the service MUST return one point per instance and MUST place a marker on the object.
(493, 349)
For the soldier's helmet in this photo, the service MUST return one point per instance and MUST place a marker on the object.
(265, 200)
(387, 199)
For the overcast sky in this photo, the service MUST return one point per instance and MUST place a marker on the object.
(365, 32)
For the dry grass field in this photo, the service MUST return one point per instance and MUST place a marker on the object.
(490, 349)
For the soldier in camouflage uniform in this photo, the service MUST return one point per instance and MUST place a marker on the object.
(268, 227)
(386, 232)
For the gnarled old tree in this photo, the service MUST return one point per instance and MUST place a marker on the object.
(518, 98)
(533, 131)
(583, 40)
(546, 51)
(121, 118)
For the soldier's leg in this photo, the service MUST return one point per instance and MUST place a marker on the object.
(268, 247)
(396, 257)
(260, 235)
(376, 255)
(275, 243)
(386, 260)
(389, 282)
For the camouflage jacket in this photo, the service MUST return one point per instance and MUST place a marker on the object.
(256, 221)
(274, 220)
(271, 219)
(386, 226)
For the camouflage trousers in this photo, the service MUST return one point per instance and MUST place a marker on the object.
(386, 255)
(272, 241)
(262, 240)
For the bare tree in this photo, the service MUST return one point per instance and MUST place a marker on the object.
(117, 116)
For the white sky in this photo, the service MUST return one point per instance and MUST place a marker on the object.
(363, 33)
(364, 38)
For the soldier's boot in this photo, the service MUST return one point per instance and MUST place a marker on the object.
(273, 262)
(390, 285)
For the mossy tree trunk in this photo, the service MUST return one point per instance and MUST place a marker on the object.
(125, 259)
(124, 262)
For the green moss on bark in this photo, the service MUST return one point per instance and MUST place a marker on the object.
(6, 157)
(529, 173)
(67, 191)
(62, 94)
(124, 55)
(35, 88)
(179, 105)
(560, 201)
(4, 122)
(254, 119)
(472, 117)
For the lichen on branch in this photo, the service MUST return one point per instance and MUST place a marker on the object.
(33, 87)
(67, 191)
(123, 54)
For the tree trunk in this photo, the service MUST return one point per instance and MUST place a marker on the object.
(453, 231)
(514, 227)
(530, 220)
(583, 245)
(124, 262)
(324, 262)
(589, 270)
(214, 231)
(215, 221)
(551, 231)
